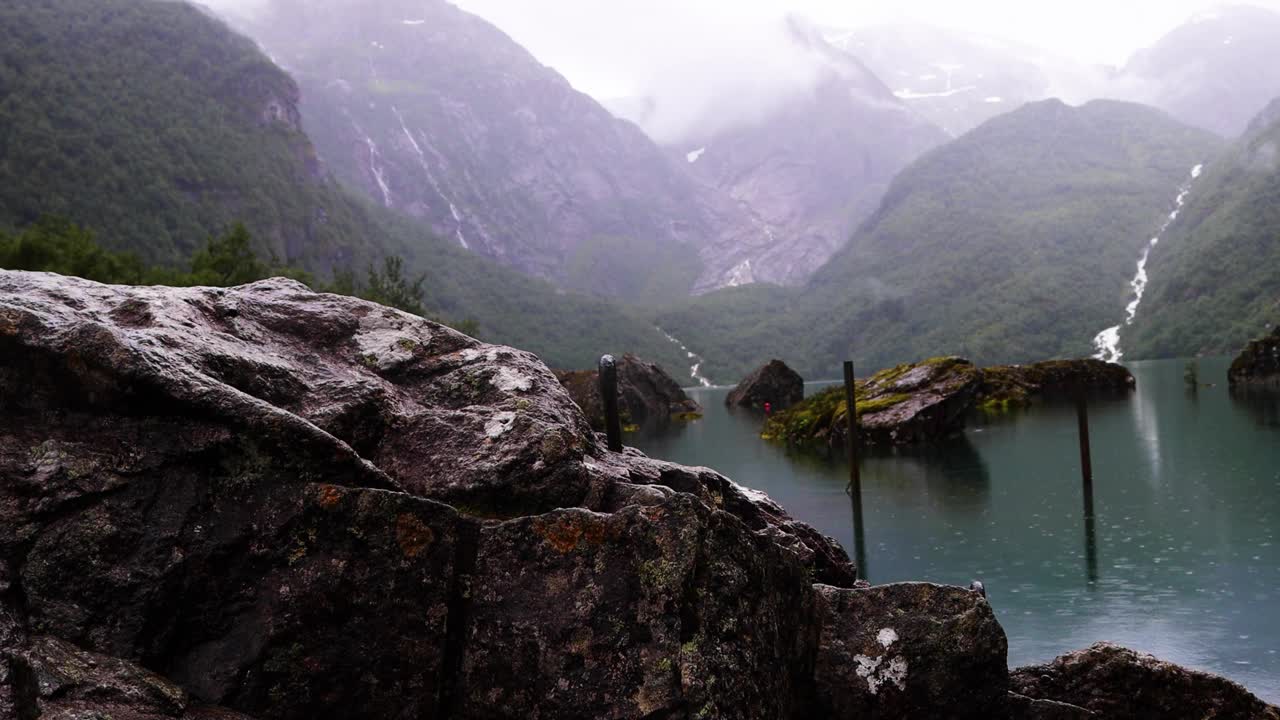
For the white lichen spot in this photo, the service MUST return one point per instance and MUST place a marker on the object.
(887, 637)
(876, 672)
(509, 380)
(499, 424)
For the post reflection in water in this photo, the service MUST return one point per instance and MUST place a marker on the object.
(1090, 538)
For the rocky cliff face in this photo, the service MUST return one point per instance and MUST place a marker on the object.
(265, 502)
(811, 171)
(435, 112)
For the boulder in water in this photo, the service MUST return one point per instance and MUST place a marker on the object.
(1259, 363)
(773, 383)
(647, 395)
(1119, 684)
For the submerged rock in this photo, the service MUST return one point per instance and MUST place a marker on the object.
(646, 394)
(1120, 684)
(773, 383)
(930, 400)
(1259, 363)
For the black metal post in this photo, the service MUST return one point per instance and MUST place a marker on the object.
(851, 399)
(609, 396)
(859, 535)
(1086, 461)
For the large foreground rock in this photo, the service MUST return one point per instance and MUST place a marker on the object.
(1120, 684)
(773, 384)
(268, 503)
(647, 395)
(1259, 363)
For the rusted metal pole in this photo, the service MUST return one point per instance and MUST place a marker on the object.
(609, 396)
(851, 399)
(1086, 461)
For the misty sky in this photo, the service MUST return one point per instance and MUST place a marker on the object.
(611, 48)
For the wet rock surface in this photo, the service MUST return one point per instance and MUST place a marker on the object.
(647, 395)
(1258, 363)
(1120, 684)
(910, 650)
(267, 503)
(773, 383)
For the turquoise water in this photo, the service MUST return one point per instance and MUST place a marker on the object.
(1185, 561)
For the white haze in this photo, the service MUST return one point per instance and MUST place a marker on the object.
(684, 64)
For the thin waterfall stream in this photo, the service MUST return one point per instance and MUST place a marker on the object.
(696, 367)
(1107, 342)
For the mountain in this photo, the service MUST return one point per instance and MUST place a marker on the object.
(1213, 276)
(156, 126)
(1217, 71)
(1015, 242)
(809, 171)
(957, 80)
(435, 112)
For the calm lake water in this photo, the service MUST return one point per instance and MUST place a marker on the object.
(1186, 559)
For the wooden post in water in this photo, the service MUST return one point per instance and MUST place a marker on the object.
(1086, 461)
(851, 431)
(609, 396)
(859, 534)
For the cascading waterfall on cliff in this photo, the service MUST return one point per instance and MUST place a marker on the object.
(1107, 342)
(695, 369)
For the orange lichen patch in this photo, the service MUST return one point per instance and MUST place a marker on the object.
(413, 535)
(567, 532)
(329, 497)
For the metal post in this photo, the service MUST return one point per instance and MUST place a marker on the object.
(859, 534)
(609, 395)
(1086, 462)
(851, 399)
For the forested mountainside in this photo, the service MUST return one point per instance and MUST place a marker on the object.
(1213, 277)
(435, 112)
(156, 127)
(1015, 242)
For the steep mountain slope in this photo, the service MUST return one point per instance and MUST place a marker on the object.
(1213, 278)
(1015, 242)
(808, 172)
(956, 80)
(156, 126)
(435, 112)
(1216, 72)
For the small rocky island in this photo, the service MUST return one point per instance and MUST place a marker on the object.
(926, 401)
(646, 395)
(773, 384)
(265, 503)
(1259, 363)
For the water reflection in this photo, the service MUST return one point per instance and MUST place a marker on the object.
(1263, 403)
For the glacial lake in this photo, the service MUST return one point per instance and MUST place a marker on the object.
(1186, 553)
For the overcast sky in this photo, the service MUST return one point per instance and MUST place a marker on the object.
(611, 47)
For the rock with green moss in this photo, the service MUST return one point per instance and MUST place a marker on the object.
(930, 400)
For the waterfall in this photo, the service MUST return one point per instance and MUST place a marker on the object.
(1107, 342)
(696, 367)
(431, 178)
